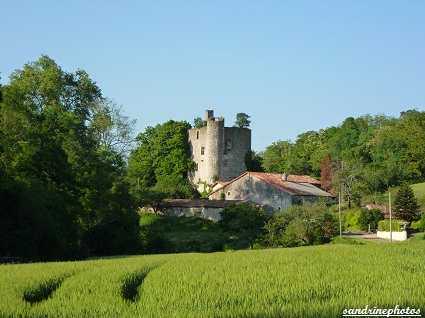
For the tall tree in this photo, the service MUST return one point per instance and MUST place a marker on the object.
(406, 205)
(326, 174)
(162, 157)
(110, 128)
(51, 153)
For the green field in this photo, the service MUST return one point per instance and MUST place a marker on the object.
(317, 281)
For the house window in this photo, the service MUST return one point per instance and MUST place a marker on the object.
(228, 193)
(202, 150)
(279, 208)
(247, 193)
(275, 197)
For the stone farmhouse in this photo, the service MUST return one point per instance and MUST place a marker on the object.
(275, 191)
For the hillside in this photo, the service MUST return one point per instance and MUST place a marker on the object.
(319, 281)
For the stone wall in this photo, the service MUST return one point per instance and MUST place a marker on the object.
(206, 213)
(397, 236)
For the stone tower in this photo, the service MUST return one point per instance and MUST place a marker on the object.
(218, 151)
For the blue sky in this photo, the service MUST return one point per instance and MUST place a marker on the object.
(293, 66)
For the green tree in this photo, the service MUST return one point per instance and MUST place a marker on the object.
(369, 218)
(308, 224)
(305, 156)
(198, 122)
(50, 127)
(242, 120)
(162, 152)
(245, 221)
(275, 157)
(110, 128)
(254, 161)
(406, 205)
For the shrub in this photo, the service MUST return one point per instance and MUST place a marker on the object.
(245, 221)
(384, 226)
(369, 217)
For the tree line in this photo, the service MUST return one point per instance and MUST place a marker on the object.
(362, 156)
(72, 174)
(63, 193)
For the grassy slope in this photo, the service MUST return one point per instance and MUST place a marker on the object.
(317, 281)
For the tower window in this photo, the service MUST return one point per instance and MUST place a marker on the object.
(202, 150)
(197, 134)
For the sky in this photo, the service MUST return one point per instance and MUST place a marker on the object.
(293, 66)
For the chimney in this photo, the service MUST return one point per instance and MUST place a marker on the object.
(284, 176)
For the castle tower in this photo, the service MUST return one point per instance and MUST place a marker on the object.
(218, 151)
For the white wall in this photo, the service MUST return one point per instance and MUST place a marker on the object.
(397, 236)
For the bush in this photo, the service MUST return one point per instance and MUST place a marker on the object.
(384, 226)
(350, 220)
(369, 217)
(419, 225)
(246, 222)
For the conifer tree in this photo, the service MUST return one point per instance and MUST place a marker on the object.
(406, 205)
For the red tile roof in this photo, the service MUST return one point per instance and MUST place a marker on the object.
(383, 208)
(294, 184)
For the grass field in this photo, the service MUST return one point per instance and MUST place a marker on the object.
(317, 281)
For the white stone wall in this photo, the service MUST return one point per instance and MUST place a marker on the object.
(397, 236)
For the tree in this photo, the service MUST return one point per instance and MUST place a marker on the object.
(347, 179)
(326, 174)
(406, 205)
(198, 122)
(242, 120)
(254, 161)
(369, 218)
(305, 156)
(58, 153)
(162, 156)
(245, 221)
(308, 224)
(110, 128)
(275, 157)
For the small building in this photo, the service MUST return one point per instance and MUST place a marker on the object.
(276, 191)
(207, 209)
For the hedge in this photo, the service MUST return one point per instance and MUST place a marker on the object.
(397, 225)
